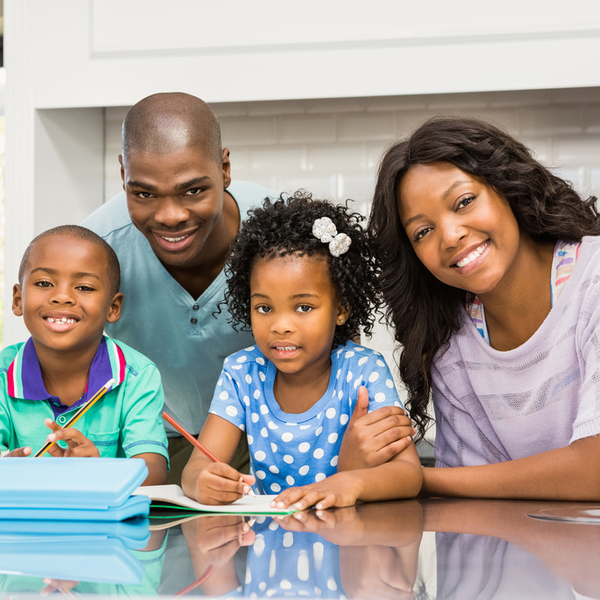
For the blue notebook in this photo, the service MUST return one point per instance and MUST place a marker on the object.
(88, 489)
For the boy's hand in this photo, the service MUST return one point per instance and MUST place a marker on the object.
(25, 451)
(338, 490)
(374, 438)
(218, 483)
(78, 444)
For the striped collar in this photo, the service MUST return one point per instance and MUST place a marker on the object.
(25, 374)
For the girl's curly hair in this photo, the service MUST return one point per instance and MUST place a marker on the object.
(425, 312)
(283, 227)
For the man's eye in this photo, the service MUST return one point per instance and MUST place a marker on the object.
(194, 191)
(263, 309)
(143, 195)
(304, 308)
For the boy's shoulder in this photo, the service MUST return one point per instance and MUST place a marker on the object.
(134, 359)
(7, 355)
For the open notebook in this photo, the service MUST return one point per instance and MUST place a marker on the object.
(172, 496)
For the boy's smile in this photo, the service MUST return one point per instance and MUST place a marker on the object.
(65, 297)
(294, 312)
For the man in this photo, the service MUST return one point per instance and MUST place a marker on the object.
(171, 229)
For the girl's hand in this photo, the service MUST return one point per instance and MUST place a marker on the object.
(25, 451)
(218, 483)
(77, 443)
(338, 490)
(372, 439)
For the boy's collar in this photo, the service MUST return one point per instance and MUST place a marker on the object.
(25, 374)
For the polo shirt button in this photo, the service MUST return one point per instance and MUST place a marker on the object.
(193, 320)
(62, 419)
(195, 307)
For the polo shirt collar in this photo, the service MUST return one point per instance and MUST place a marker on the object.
(25, 374)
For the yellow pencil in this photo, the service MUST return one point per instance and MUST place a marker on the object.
(107, 386)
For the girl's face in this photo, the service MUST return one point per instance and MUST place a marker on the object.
(294, 312)
(460, 228)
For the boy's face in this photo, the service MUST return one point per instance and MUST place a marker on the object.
(65, 296)
(176, 201)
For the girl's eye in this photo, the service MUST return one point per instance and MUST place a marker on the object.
(263, 310)
(304, 308)
(465, 201)
(43, 284)
(422, 232)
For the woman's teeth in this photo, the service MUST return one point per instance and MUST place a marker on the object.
(472, 256)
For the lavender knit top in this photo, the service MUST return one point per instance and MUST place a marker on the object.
(493, 406)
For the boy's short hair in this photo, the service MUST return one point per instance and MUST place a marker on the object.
(76, 231)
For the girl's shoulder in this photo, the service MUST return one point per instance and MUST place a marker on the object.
(244, 359)
(355, 353)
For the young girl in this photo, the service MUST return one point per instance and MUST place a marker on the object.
(492, 286)
(302, 276)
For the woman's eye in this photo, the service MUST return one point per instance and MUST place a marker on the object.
(263, 309)
(304, 308)
(419, 234)
(466, 201)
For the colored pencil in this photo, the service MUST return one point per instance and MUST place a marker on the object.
(107, 386)
(189, 437)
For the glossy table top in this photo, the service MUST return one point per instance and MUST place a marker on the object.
(463, 549)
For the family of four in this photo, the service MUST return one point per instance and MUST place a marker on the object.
(246, 308)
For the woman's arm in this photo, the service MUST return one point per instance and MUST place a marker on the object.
(571, 473)
(401, 477)
(215, 483)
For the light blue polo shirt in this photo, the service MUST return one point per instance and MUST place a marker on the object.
(180, 334)
(125, 422)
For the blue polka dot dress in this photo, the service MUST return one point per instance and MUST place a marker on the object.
(298, 449)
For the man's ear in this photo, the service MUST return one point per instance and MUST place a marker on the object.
(114, 312)
(17, 306)
(122, 170)
(226, 168)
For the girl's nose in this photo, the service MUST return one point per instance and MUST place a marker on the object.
(281, 325)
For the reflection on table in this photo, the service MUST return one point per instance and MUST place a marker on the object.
(438, 548)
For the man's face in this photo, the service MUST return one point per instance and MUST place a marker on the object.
(175, 200)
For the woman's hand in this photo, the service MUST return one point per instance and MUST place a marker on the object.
(77, 443)
(374, 438)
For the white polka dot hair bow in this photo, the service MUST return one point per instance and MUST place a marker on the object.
(325, 231)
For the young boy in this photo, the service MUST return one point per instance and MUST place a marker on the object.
(68, 290)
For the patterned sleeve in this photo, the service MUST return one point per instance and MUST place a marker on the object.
(461, 441)
(230, 400)
(380, 384)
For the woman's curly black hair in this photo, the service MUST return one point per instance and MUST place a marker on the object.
(283, 227)
(424, 311)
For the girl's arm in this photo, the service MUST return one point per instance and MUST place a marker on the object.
(571, 473)
(215, 483)
(401, 477)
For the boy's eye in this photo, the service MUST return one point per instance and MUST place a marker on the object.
(263, 309)
(85, 288)
(43, 284)
(465, 201)
(304, 308)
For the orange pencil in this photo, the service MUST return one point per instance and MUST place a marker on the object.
(189, 437)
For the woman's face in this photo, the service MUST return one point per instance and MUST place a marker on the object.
(464, 233)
